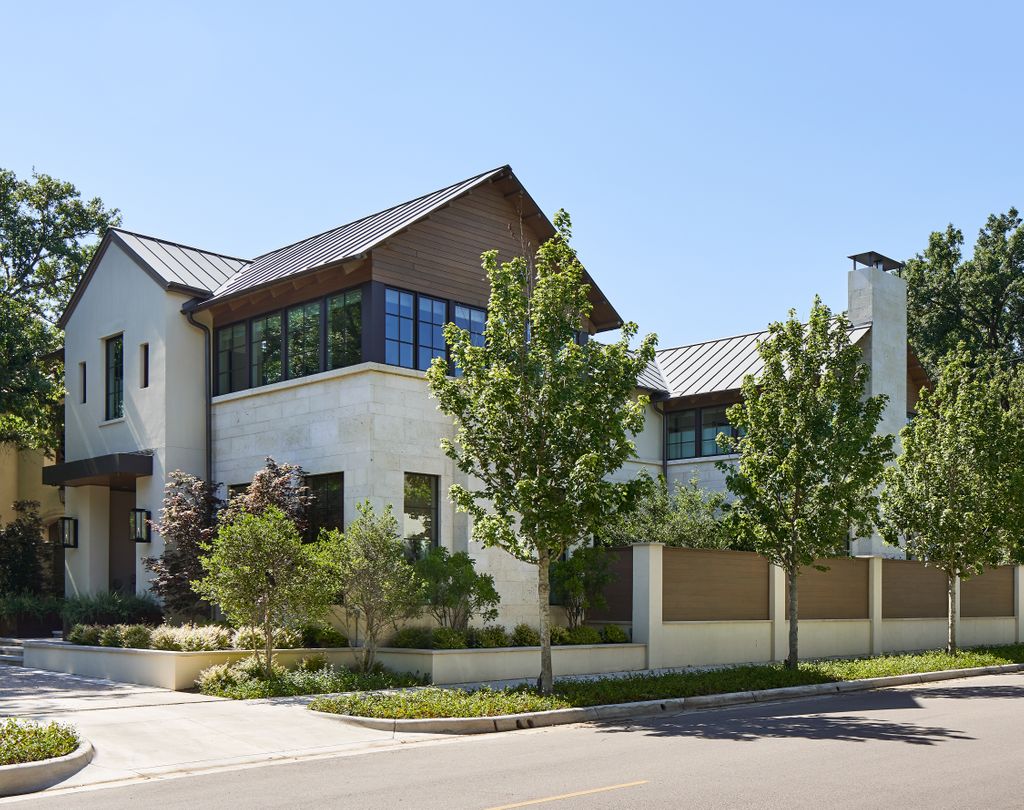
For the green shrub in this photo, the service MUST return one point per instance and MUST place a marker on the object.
(36, 606)
(412, 638)
(251, 638)
(444, 638)
(440, 703)
(136, 636)
(525, 636)
(313, 663)
(245, 680)
(578, 582)
(112, 608)
(583, 634)
(24, 741)
(322, 635)
(454, 592)
(559, 635)
(110, 636)
(165, 637)
(86, 634)
(613, 634)
(493, 635)
(191, 638)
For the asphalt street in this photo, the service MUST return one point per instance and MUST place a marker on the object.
(947, 744)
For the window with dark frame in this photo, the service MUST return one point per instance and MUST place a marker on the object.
(683, 428)
(419, 527)
(473, 320)
(115, 377)
(266, 350)
(304, 340)
(432, 315)
(326, 511)
(345, 329)
(398, 328)
(83, 379)
(144, 365)
(231, 360)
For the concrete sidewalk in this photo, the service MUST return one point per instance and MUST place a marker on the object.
(141, 731)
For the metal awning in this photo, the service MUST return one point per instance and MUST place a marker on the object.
(117, 471)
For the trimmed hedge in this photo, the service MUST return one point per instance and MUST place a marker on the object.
(199, 638)
(23, 741)
(493, 636)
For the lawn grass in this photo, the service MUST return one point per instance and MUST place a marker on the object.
(645, 686)
(22, 741)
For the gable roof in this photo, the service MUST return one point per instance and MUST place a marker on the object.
(714, 365)
(171, 265)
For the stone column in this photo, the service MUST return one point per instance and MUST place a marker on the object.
(875, 604)
(1018, 601)
(87, 568)
(647, 600)
(777, 612)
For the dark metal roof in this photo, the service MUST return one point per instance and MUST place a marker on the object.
(179, 264)
(346, 241)
(117, 470)
(715, 365)
(871, 259)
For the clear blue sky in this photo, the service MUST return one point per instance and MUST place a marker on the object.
(719, 160)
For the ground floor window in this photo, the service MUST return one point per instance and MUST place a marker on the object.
(420, 513)
(327, 508)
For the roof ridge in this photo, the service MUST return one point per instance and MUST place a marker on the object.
(382, 211)
(741, 335)
(119, 229)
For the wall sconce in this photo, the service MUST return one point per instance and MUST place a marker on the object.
(138, 523)
(69, 532)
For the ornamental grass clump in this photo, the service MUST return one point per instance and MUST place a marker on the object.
(23, 741)
(191, 638)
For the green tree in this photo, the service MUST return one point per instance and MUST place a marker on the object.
(23, 552)
(977, 301)
(579, 581)
(378, 583)
(810, 461)
(187, 524)
(542, 420)
(947, 496)
(455, 591)
(30, 385)
(689, 516)
(279, 485)
(262, 575)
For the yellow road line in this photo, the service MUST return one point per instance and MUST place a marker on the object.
(569, 795)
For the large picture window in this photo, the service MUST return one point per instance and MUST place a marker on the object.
(433, 315)
(344, 329)
(326, 510)
(266, 351)
(420, 513)
(681, 434)
(115, 377)
(398, 328)
(694, 433)
(232, 374)
(304, 340)
(712, 422)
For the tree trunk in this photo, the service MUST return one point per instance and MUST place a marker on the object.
(544, 683)
(951, 614)
(794, 657)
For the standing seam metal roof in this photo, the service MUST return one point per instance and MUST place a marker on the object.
(179, 264)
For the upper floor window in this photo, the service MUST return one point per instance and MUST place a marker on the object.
(344, 329)
(433, 315)
(115, 377)
(398, 328)
(83, 379)
(473, 320)
(420, 513)
(267, 350)
(231, 369)
(694, 433)
(304, 340)
(144, 365)
(326, 510)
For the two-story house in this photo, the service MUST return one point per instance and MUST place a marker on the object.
(180, 358)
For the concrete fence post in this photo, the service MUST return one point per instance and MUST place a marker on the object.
(647, 600)
(875, 604)
(1018, 601)
(777, 612)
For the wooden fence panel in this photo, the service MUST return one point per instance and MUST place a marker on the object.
(989, 594)
(912, 590)
(701, 585)
(839, 593)
(619, 592)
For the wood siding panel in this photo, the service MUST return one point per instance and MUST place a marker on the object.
(912, 590)
(703, 585)
(989, 594)
(619, 593)
(839, 593)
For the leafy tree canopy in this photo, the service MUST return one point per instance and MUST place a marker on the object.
(977, 301)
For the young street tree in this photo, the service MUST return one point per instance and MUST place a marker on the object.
(810, 461)
(541, 420)
(950, 494)
(262, 575)
(377, 581)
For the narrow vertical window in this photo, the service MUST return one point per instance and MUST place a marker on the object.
(144, 365)
(115, 377)
(398, 328)
(344, 329)
(473, 320)
(326, 510)
(231, 360)
(266, 349)
(420, 513)
(432, 316)
(304, 340)
(681, 435)
(82, 380)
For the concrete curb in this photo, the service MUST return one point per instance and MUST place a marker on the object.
(647, 708)
(29, 777)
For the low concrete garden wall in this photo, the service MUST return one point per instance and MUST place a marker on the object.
(179, 670)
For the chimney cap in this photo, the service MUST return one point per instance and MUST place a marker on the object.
(873, 259)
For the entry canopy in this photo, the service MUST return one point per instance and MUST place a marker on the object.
(117, 471)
